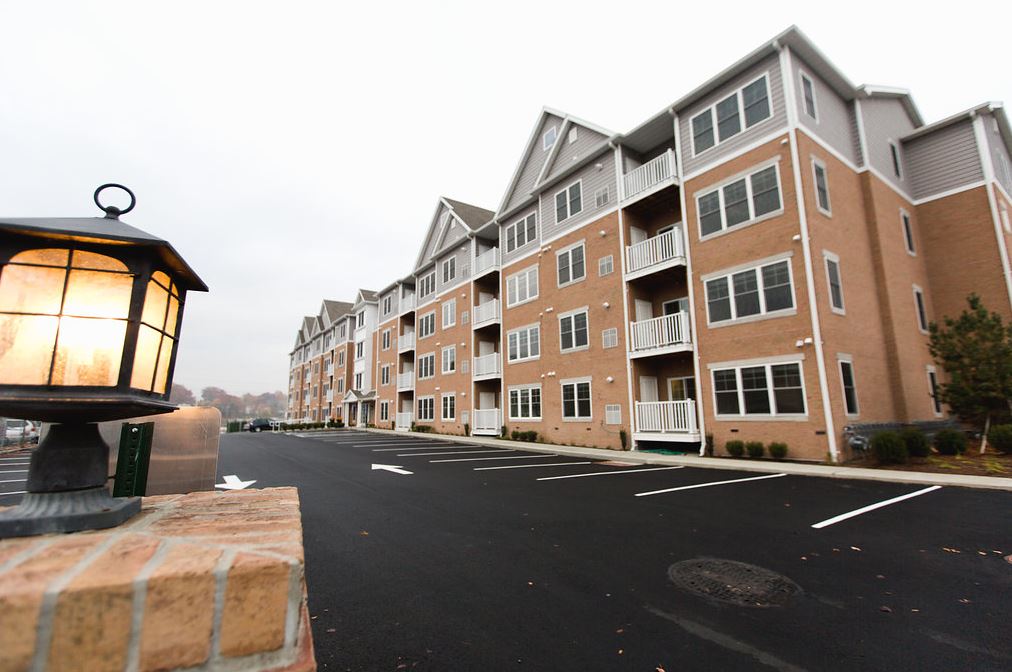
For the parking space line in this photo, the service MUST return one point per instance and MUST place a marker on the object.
(530, 466)
(15, 471)
(16, 492)
(512, 457)
(455, 452)
(423, 446)
(872, 507)
(16, 480)
(610, 473)
(707, 485)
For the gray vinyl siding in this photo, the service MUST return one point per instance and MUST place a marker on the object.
(533, 164)
(833, 124)
(998, 149)
(433, 239)
(942, 160)
(855, 134)
(394, 304)
(507, 257)
(885, 119)
(461, 253)
(591, 179)
(586, 140)
(778, 118)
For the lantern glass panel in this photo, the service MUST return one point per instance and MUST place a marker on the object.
(88, 351)
(51, 257)
(31, 289)
(98, 294)
(155, 303)
(145, 358)
(163, 365)
(170, 321)
(26, 344)
(98, 262)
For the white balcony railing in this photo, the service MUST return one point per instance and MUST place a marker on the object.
(404, 420)
(655, 250)
(406, 342)
(666, 417)
(330, 395)
(407, 303)
(487, 365)
(650, 174)
(661, 332)
(486, 421)
(486, 313)
(487, 260)
(406, 381)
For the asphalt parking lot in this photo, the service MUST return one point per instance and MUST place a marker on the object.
(458, 557)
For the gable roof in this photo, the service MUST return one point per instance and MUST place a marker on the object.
(450, 213)
(335, 309)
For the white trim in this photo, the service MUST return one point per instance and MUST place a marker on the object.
(526, 327)
(569, 249)
(718, 188)
(936, 405)
(530, 297)
(738, 363)
(985, 161)
(575, 382)
(920, 306)
(862, 139)
(555, 138)
(743, 127)
(555, 197)
(816, 164)
(814, 114)
(569, 228)
(442, 313)
(514, 225)
(442, 359)
(517, 389)
(841, 359)
(896, 159)
(417, 403)
(572, 314)
(761, 294)
(828, 257)
(889, 183)
(443, 396)
(907, 229)
(810, 134)
(418, 366)
(765, 140)
(770, 393)
(418, 329)
(951, 192)
(626, 326)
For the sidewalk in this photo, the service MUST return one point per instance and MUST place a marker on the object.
(761, 466)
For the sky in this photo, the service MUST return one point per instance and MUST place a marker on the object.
(295, 151)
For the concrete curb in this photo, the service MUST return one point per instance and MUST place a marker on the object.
(761, 466)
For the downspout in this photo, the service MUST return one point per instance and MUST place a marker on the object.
(620, 196)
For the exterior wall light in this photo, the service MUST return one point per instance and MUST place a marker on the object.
(90, 315)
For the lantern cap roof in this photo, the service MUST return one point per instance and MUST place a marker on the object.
(104, 230)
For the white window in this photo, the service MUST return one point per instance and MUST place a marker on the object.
(358, 381)
(894, 153)
(821, 188)
(427, 284)
(609, 338)
(427, 325)
(340, 384)
(1004, 215)
(681, 388)
(763, 290)
(574, 333)
(360, 318)
(522, 287)
(739, 202)
(426, 409)
(449, 401)
(525, 402)
(765, 389)
(726, 115)
(576, 400)
(449, 270)
(808, 94)
(449, 313)
(360, 350)
(834, 282)
(571, 265)
(384, 410)
(386, 339)
(524, 343)
(387, 304)
(340, 358)
(449, 359)
(849, 386)
(908, 232)
(922, 313)
(521, 232)
(568, 202)
(936, 403)
(465, 317)
(601, 197)
(385, 374)
(427, 366)
(572, 135)
(613, 414)
(606, 265)
(549, 138)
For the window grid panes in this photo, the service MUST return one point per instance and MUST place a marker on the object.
(525, 403)
(521, 232)
(523, 343)
(571, 265)
(743, 200)
(576, 401)
(522, 286)
(568, 202)
(756, 291)
(765, 389)
(750, 105)
(573, 332)
(849, 388)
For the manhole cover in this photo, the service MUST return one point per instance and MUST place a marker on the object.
(733, 582)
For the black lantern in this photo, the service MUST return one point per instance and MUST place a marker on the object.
(90, 311)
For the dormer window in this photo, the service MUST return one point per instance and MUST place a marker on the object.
(360, 319)
(549, 138)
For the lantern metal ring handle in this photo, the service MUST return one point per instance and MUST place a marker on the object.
(111, 211)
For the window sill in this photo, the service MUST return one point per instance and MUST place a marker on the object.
(786, 417)
(744, 225)
(525, 419)
(521, 361)
(571, 282)
(786, 312)
(569, 351)
(520, 303)
(590, 419)
(838, 311)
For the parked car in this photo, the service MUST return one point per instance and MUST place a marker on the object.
(260, 425)
(17, 431)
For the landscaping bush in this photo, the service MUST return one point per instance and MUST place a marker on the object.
(467, 429)
(950, 442)
(889, 448)
(778, 450)
(1000, 438)
(754, 448)
(339, 423)
(624, 438)
(514, 435)
(709, 445)
(916, 442)
(735, 448)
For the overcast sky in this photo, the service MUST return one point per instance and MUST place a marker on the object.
(294, 151)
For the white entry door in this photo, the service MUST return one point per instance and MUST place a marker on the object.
(485, 348)
(486, 400)
(644, 310)
(648, 388)
(636, 235)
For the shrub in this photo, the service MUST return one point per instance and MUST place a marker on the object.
(778, 450)
(339, 423)
(504, 433)
(624, 438)
(423, 429)
(467, 429)
(709, 445)
(950, 442)
(754, 448)
(735, 448)
(1000, 438)
(916, 442)
(889, 448)
(515, 435)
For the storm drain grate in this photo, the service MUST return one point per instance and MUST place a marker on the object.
(733, 582)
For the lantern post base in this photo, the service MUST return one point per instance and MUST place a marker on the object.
(50, 512)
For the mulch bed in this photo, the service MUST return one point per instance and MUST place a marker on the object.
(970, 463)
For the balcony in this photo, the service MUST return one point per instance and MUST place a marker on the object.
(406, 381)
(666, 421)
(487, 367)
(650, 177)
(655, 254)
(406, 342)
(661, 335)
(485, 314)
(407, 303)
(403, 421)
(486, 261)
(487, 422)
(329, 396)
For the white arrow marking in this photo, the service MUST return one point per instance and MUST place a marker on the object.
(390, 467)
(232, 482)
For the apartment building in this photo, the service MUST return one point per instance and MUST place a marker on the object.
(760, 261)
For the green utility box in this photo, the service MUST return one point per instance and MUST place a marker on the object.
(133, 460)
